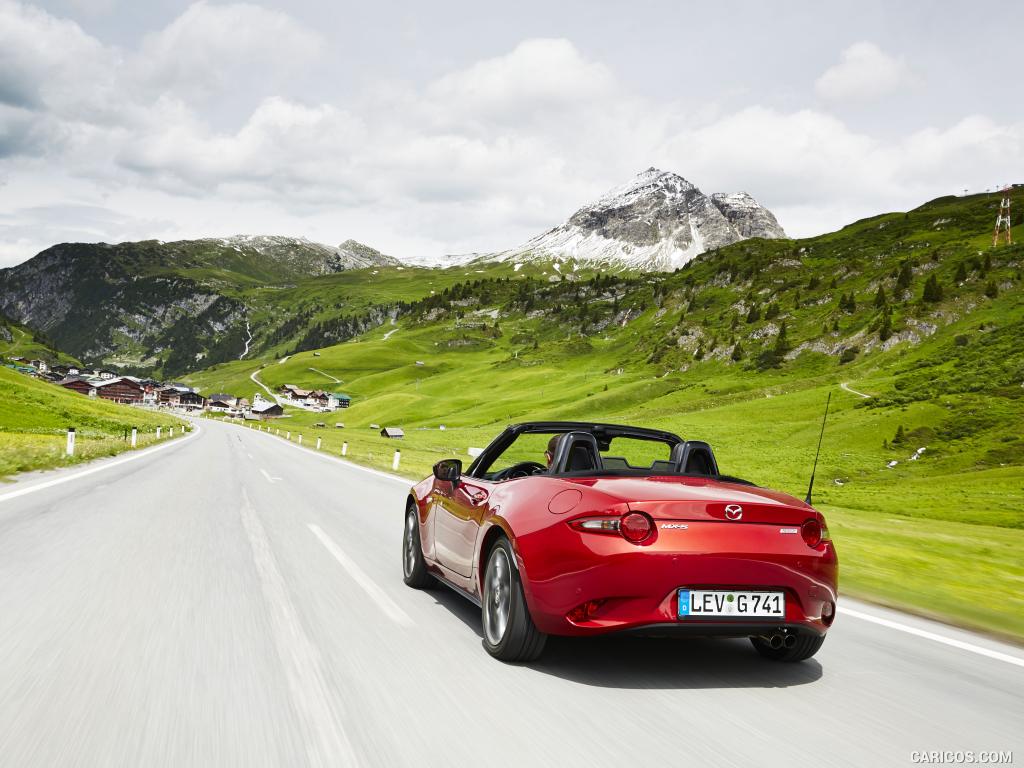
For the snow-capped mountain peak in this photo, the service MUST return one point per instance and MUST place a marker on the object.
(656, 221)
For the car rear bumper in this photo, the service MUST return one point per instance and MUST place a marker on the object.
(637, 586)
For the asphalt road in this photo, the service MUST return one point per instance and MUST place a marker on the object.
(235, 600)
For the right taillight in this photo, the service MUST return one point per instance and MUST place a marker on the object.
(813, 532)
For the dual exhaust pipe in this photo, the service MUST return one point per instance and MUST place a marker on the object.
(778, 640)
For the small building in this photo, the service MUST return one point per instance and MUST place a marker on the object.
(267, 410)
(79, 384)
(119, 390)
(395, 433)
(191, 401)
(339, 400)
(224, 400)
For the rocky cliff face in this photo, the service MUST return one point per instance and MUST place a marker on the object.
(169, 305)
(657, 221)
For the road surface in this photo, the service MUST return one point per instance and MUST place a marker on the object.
(236, 600)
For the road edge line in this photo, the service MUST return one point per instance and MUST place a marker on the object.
(934, 636)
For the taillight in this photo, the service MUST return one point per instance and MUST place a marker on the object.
(634, 527)
(813, 533)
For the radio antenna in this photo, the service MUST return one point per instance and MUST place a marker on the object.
(818, 452)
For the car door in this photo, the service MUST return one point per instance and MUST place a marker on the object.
(457, 517)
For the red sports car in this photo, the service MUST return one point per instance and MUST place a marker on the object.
(572, 528)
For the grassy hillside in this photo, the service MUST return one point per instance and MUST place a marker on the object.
(34, 417)
(914, 310)
(18, 341)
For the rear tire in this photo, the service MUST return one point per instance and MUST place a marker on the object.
(414, 567)
(509, 631)
(806, 646)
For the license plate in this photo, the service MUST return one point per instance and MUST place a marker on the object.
(718, 602)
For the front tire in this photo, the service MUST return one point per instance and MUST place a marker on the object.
(509, 631)
(806, 645)
(414, 567)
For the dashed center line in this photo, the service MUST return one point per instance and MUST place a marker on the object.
(268, 476)
(325, 740)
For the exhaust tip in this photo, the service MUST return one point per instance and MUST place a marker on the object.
(775, 642)
(789, 641)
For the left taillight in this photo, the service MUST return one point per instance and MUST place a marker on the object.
(634, 527)
(814, 532)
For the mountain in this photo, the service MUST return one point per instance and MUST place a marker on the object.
(658, 221)
(153, 305)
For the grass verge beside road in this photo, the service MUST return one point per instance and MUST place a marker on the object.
(35, 416)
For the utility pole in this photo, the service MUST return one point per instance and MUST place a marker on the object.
(1003, 224)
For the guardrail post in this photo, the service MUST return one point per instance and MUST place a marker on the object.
(135, 436)
(344, 449)
(70, 450)
(318, 443)
(398, 458)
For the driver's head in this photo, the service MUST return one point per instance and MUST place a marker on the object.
(549, 454)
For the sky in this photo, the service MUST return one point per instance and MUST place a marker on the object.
(425, 129)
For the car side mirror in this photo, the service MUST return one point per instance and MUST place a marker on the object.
(448, 469)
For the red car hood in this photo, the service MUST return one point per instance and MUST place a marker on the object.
(698, 498)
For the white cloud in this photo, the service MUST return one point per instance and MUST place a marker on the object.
(217, 51)
(481, 158)
(864, 72)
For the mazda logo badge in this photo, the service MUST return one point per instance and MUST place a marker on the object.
(734, 512)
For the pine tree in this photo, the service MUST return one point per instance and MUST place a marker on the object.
(796, 300)
(754, 314)
(905, 277)
(782, 340)
(932, 290)
(886, 330)
(991, 289)
(835, 326)
(772, 312)
(880, 300)
(737, 352)
(900, 436)
(961, 274)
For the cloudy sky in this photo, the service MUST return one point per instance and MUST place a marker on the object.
(447, 127)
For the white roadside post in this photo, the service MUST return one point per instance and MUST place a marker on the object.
(344, 449)
(300, 439)
(289, 435)
(70, 450)
(394, 461)
(135, 436)
(158, 430)
(170, 431)
(318, 443)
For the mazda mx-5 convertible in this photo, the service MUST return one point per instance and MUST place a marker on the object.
(569, 528)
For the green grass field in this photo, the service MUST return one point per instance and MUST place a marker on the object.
(35, 416)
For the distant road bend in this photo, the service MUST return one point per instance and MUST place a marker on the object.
(234, 599)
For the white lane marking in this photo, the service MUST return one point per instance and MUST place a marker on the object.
(963, 646)
(358, 575)
(325, 740)
(92, 470)
(269, 478)
(845, 386)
